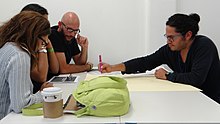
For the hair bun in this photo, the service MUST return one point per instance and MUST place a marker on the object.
(195, 17)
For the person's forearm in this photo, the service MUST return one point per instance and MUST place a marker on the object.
(40, 72)
(53, 62)
(52, 59)
(118, 67)
(83, 56)
(73, 68)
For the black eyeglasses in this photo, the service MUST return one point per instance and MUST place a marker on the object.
(172, 38)
(76, 31)
(44, 43)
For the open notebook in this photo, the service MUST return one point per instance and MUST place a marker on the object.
(64, 79)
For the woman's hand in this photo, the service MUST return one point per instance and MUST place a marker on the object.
(45, 85)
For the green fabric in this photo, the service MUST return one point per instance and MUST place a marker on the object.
(33, 110)
(103, 96)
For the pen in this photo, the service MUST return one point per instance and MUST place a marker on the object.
(100, 63)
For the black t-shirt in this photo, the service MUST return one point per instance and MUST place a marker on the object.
(60, 44)
(70, 48)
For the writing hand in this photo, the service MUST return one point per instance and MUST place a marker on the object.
(105, 68)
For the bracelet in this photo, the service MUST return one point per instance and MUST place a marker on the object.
(50, 49)
(42, 47)
(42, 51)
(167, 74)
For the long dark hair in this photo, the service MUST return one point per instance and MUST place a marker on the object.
(24, 29)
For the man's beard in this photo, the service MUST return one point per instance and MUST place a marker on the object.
(64, 36)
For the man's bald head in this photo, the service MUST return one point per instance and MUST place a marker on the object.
(70, 18)
(69, 25)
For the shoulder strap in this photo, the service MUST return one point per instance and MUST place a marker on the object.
(33, 110)
(82, 111)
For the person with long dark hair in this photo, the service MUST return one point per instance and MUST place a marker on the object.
(20, 39)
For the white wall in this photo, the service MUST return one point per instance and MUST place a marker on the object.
(158, 11)
(209, 12)
(123, 29)
(115, 28)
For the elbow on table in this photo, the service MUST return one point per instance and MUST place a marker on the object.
(17, 109)
(197, 82)
(41, 79)
(54, 71)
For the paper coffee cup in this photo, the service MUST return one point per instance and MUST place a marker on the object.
(53, 102)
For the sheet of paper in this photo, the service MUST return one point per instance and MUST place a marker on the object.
(145, 82)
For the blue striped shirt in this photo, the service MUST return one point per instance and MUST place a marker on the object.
(16, 89)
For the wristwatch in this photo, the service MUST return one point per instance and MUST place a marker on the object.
(42, 51)
(167, 74)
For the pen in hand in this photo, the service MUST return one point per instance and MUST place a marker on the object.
(70, 77)
(100, 63)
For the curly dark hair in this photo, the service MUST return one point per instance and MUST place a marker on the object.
(184, 23)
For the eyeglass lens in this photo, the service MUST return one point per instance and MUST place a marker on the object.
(77, 31)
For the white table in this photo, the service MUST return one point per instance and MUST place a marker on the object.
(146, 107)
(13, 118)
(172, 107)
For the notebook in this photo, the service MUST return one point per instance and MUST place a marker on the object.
(64, 79)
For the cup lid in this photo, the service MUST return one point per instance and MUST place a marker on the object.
(51, 90)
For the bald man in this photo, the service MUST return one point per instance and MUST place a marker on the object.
(66, 41)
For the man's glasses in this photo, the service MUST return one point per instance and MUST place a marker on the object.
(172, 38)
(76, 31)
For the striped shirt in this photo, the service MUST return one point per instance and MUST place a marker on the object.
(16, 89)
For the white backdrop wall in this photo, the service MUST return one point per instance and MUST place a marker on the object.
(209, 12)
(122, 29)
